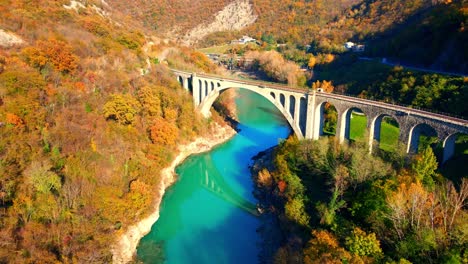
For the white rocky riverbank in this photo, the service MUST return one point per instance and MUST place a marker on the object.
(125, 247)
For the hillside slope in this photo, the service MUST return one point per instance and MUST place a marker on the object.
(235, 16)
(173, 18)
(88, 118)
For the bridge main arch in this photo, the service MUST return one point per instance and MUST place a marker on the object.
(284, 107)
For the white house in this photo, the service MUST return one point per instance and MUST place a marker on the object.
(246, 39)
(349, 45)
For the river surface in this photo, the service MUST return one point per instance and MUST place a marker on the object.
(209, 214)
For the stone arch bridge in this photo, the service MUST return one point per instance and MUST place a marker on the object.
(303, 110)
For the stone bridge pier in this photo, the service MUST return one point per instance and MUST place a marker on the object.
(304, 111)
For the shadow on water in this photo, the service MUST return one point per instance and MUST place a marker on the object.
(213, 181)
(274, 112)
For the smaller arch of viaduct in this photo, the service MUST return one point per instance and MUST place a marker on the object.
(304, 111)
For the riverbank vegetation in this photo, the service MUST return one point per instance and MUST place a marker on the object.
(335, 204)
(86, 125)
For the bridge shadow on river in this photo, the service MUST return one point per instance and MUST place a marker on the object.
(212, 180)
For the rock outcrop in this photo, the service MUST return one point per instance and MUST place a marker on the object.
(8, 39)
(235, 16)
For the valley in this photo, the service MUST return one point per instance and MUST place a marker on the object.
(97, 131)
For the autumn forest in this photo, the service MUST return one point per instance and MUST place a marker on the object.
(90, 114)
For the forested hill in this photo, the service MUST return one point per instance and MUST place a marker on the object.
(425, 33)
(88, 118)
(433, 37)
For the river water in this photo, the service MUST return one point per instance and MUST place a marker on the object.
(209, 215)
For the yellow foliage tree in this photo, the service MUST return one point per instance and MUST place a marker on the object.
(312, 62)
(122, 108)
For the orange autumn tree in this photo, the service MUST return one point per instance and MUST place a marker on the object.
(323, 247)
(163, 132)
(54, 52)
(14, 120)
(327, 86)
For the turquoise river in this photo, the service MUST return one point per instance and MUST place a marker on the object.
(209, 214)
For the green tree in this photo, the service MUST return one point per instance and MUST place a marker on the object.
(425, 166)
(327, 212)
(295, 210)
(42, 179)
(363, 244)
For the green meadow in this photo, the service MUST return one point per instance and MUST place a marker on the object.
(388, 134)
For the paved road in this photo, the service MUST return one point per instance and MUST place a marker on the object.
(386, 62)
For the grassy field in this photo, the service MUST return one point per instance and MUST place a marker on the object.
(388, 133)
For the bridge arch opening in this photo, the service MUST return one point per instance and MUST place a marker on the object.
(181, 80)
(303, 114)
(282, 100)
(384, 131)
(206, 89)
(422, 136)
(455, 150)
(207, 103)
(292, 105)
(200, 89)
(190, 84)
(354, 125)
(326, 118)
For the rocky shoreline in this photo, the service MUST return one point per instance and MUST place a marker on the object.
(125, 248)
